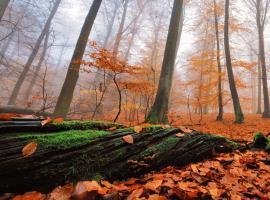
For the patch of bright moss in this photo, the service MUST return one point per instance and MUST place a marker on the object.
(62, 140)
(82, 125)
(232, 143)
(260, 141)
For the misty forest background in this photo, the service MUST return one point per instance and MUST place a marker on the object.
(103, 59)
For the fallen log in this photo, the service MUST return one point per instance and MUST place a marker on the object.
(25, 111)
(73, 155)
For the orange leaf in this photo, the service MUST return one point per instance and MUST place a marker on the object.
(179, 134)
(138, 129)
(30, 196)
(58, 120)
(46, 121)
(7, 117)
(64, 192)
(128, 138)
(29, 149)
(135, 194)
(157, 197)
(112, 128)
(153, 185)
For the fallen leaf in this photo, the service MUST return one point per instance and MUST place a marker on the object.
(61, 193)
(138, 129)
(157, 197)
(112, 128)
(29, 149)
(185, 130)
(179, 134)
(30, 196)
(46, 121)
(135, 194)
(128, 138)
(58, 120)
(153, 185)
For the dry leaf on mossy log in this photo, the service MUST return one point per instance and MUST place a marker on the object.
(29, 149)
(128, 138)
(46, 121)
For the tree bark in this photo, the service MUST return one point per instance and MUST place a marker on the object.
(260, 26)
(259, 106)
(3, 7)
(66, 94)
(109, 156)
(239, 117)
(19, 83)
(38, 67)
(220, 97)
(159, 110)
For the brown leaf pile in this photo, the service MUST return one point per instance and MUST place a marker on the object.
(228, 176)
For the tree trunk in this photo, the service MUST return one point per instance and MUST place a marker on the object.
(66, 94)
(38, 67)
(159, 110)
(239, 117)
(260, 26)
(120, 29)
(3, 7)
(259, 108)
(220, 97)
(31, 58)
(108, 155)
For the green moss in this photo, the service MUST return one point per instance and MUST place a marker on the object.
(62, 140)
(161, 147)
(82, 125)
(260, 141)
(97, 177)
(232, 143)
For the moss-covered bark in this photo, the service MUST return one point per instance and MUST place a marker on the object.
(100, 154)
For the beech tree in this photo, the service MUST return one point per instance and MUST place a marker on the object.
(18, 85)
(159, 110)
(66, 94)
(220, 98)
(239, 117)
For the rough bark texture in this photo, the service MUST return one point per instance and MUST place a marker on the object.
(159, 110)
(109, 156)
(18, 85)
(239, 117)
(66, 95)
(3, 7)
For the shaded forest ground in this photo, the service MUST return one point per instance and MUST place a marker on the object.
(253, 123)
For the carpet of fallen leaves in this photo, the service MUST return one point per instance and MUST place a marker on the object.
(233, 176)
(253, 123)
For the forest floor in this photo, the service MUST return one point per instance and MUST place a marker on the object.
(242, 132)
(237, 175)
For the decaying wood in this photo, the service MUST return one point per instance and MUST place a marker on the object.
(109, 156)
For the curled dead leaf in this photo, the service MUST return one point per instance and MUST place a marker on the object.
(179, 134)
(29, 149)
(128, 138)
(112, 128)
(153, 185)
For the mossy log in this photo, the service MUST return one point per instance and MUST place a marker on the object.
(84, 155)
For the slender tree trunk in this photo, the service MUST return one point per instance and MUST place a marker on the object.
(260, 25)
(259, 108)
(65, 97)
(3, 7)
(120, 29)
(119, 100)
(239, 117)
(38, 67)
(220, 97)
(159, 110)
(31, 58)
